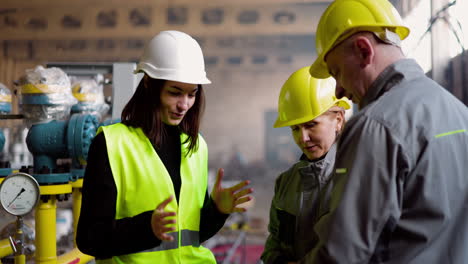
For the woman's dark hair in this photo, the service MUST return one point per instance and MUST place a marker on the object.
(143, 111)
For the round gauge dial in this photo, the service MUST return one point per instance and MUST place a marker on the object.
(19, 193)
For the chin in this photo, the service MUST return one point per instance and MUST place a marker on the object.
(315, 156)
(310, 157)
(172, 122)
(175, 122)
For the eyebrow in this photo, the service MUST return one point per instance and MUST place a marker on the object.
(182, 90)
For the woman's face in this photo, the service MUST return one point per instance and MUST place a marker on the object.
(176, 100)
(317, 136)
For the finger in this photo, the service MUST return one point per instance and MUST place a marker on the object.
(219, 178)
(165, 230)
(162, 215)
(166, 237)
(239, 186)
(242, 200)
(163, 205)
(239, 210)
(167, 222)
(243, 193)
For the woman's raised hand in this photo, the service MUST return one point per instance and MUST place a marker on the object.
(227, 200)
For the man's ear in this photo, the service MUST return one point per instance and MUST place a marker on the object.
(365, 50)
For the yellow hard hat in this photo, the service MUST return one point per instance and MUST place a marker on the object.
(303, 98)
(345, 17)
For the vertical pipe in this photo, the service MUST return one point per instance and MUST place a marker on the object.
(5, 248)
(46, 246)
(20, 259)
(76, 195)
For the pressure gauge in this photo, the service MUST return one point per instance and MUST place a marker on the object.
(19, 193)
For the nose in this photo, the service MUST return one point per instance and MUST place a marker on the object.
(339, 91)
(304, 135)
(183, 103)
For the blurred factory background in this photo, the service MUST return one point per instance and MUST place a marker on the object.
(250, 48)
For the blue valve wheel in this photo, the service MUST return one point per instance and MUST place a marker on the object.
(81, 131)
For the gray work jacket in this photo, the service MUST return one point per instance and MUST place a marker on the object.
(296, 206)
(400, 190)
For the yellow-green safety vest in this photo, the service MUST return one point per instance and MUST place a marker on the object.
(143, 182)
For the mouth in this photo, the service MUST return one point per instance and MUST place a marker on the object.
(311, 148)
(176, 115)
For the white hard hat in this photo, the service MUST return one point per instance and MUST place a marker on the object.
(175, 56)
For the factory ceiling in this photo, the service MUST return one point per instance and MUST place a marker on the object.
(105, 30)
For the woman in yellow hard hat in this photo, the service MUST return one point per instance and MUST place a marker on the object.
(316, 118)
(145, 197)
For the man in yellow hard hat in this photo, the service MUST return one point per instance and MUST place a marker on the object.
(316, 117)
(401, 175)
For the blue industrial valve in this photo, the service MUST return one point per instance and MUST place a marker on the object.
(83, 107)
(2, 140)
(5, 168)
(5, 107)
(55, 140)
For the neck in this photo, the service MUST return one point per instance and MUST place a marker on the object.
(385, 56)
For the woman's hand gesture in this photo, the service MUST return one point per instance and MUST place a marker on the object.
(160, 220)
(228, 199)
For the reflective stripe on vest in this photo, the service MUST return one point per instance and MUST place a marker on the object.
(189, 238)
(131, 153)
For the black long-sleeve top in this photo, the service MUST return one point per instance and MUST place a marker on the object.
(99, 234)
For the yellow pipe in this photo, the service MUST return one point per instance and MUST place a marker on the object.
(56, 189)
(20, 259)
(5, 248)
(74, 257)
(76, 196)
(46, 247)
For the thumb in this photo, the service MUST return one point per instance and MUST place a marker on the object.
(164, 203)
(219, 178)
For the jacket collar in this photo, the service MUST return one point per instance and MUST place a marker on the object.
(319, 168)
(390, 77)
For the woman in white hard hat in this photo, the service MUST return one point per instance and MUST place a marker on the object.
(316, 118)
(145, 196)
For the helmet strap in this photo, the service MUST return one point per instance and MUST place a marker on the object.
(388, 37)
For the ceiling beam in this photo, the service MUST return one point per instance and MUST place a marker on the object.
(257, 47)
(6, 4)
(144, 21)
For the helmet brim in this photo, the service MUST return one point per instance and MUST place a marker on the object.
(319, 68)
(172, 77)
(344, 103)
